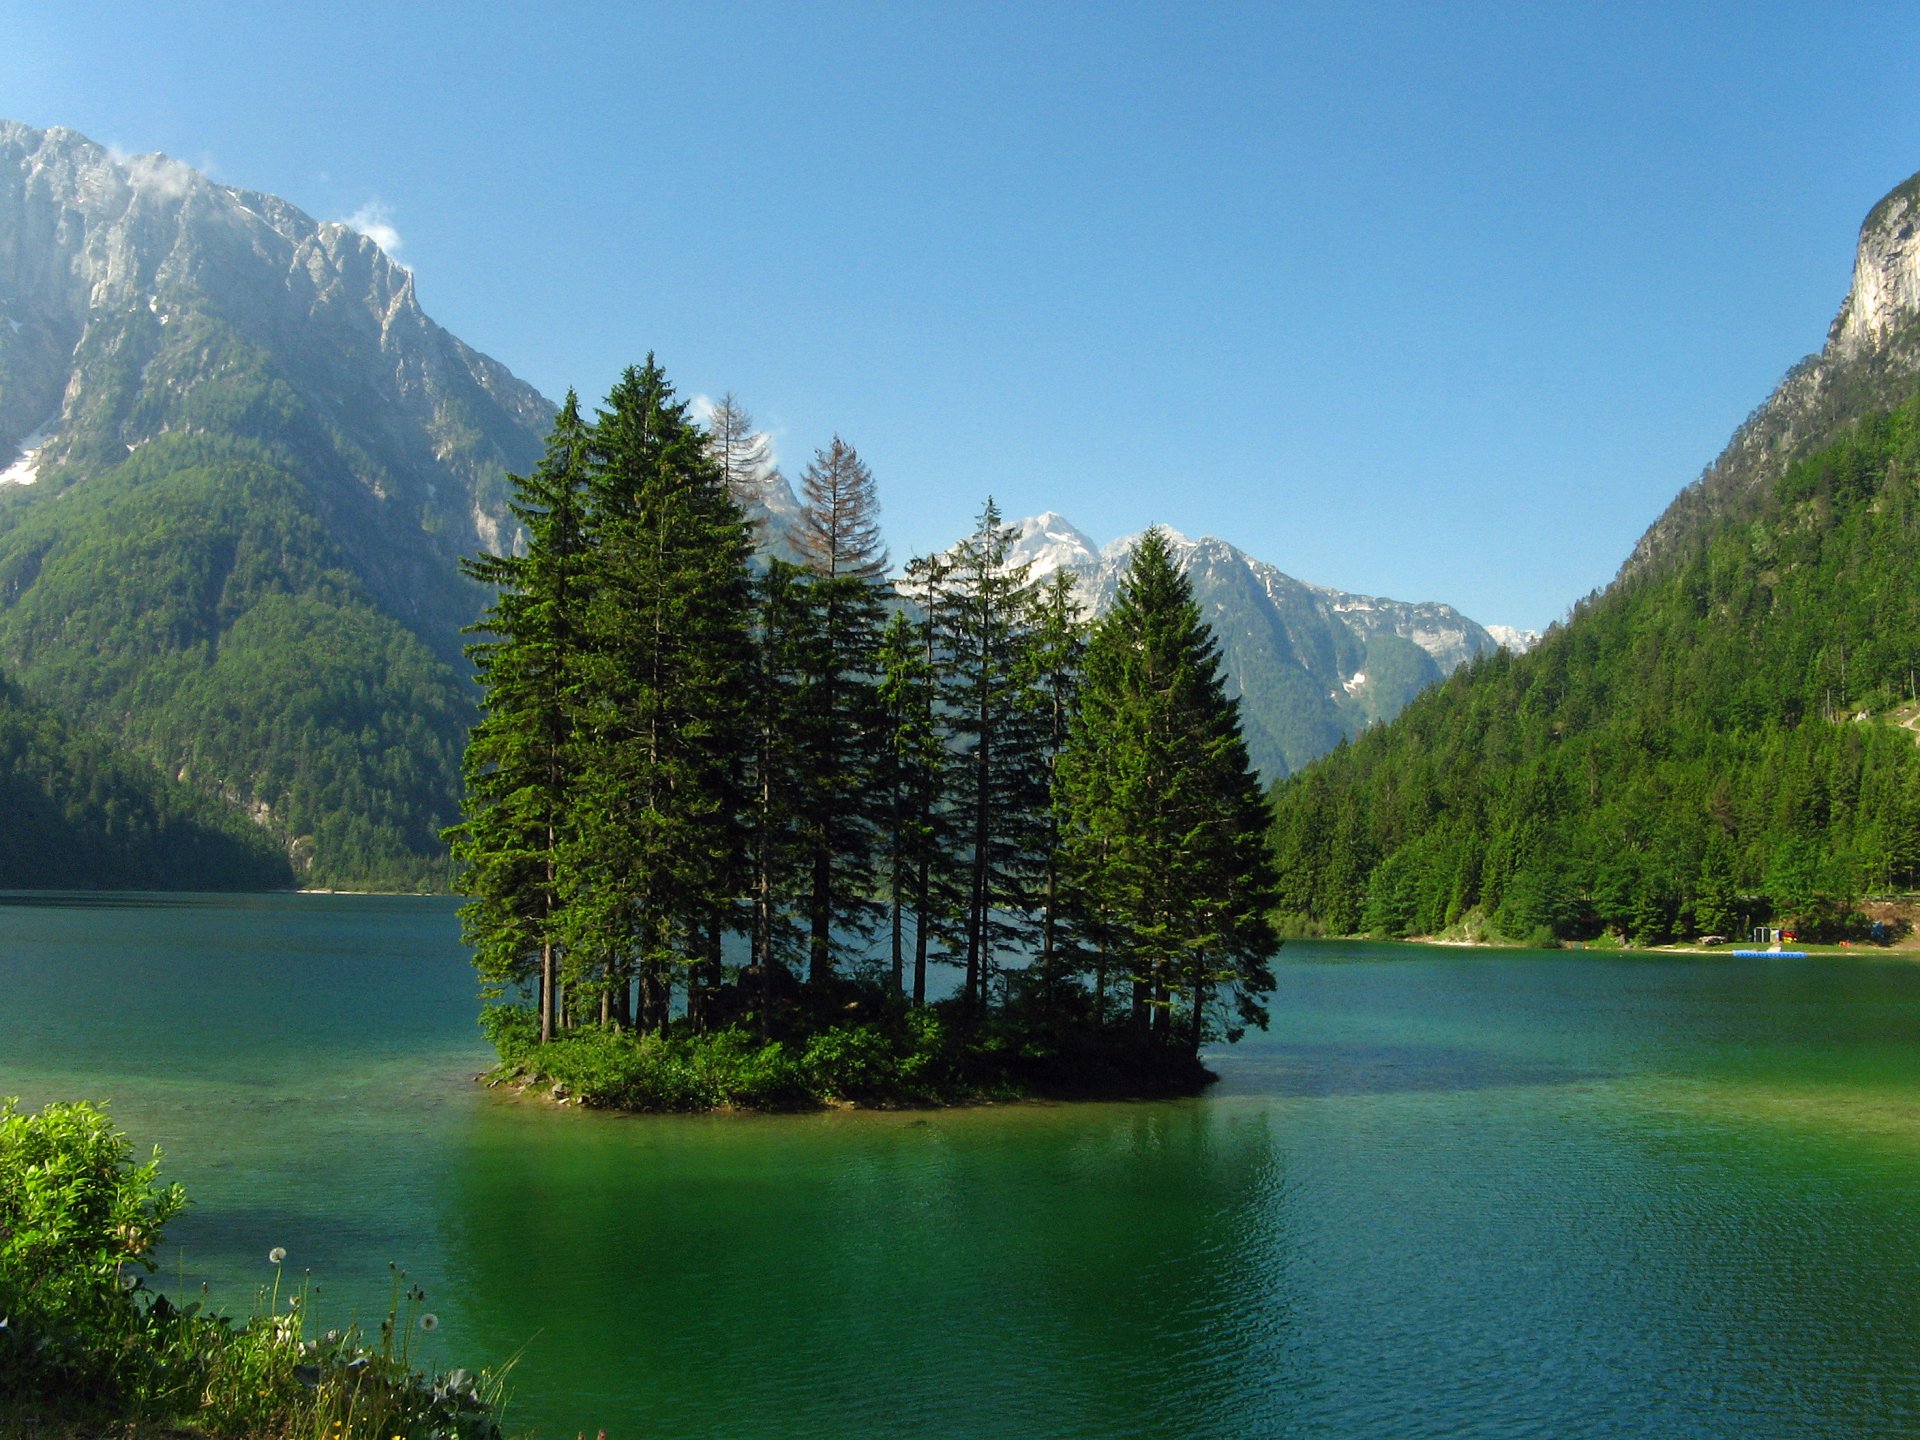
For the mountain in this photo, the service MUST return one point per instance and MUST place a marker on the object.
(82, 815)
(1867, 366)
(1312, 665)
(241, 466)
(1727, 733)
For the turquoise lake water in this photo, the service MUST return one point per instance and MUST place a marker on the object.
(1450, 1194)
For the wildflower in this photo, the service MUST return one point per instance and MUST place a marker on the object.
(429, 1321)
(276, 1255)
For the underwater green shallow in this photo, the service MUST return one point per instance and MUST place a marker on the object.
(1450, 1194)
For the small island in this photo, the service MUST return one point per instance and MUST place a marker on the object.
(687, 737)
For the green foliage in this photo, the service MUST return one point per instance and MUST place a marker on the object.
(82, 814)
(193, 603)
(78, 1222)
(84, 1338)
(1163, 827)
(1695, 748)
(674, 747)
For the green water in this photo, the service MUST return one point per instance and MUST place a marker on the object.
(1450, 1194)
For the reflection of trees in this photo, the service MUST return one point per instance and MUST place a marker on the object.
(1051, 1271)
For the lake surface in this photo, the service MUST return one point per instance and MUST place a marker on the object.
(1450, 1194)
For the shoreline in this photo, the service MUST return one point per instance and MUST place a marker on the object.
(1907, 948)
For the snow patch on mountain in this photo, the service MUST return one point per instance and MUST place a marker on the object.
(1518, 641)
(26, 469)
(1048, 542)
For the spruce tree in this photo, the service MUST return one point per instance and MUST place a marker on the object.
(1055, 658)
(914, 754)
(999, 780)
(1164, 822)
(776, 856)
(520, 763)
(912, 688)
(664, 691)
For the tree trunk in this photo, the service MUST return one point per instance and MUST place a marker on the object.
(920, 933)
(820, 937)
(899, 911)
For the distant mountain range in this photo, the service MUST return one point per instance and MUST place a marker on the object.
(1312, 665)
(239, 466)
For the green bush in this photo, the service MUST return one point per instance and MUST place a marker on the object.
(85, 1342)
(78, 1224)
(853, 1062)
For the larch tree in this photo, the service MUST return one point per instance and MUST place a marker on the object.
(744, 458)
(838, 538)
(520, 761)
(1165, 825)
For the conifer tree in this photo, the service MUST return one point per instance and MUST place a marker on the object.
(1055, 658)
(999, 786)
(914, 755)
(743, 457)
(776, 857)
(922, 761)
(838, 537)
(663, 692)
(520, 763)
(1165, 827)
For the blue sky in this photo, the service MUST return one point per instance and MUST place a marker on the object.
(1440, 302)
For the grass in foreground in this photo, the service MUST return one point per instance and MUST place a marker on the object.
(88, 1348)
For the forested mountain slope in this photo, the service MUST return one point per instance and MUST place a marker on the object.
(79, 815)
(1713, 739)
(242, 467)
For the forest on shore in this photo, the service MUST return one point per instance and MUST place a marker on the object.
(1715, 742)
(875, 787)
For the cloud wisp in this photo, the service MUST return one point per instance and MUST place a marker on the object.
(375, 221)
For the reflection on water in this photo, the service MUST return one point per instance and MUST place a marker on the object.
(1449, 1194)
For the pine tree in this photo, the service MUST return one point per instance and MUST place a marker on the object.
(838, 538)
(520, 762)
(663, 701)
(1165, 827)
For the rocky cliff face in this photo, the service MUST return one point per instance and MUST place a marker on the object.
(138, 298)
(1870, 361)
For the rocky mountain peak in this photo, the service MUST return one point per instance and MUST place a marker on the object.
(140, 299)
(1048, 542)
(1886, 275)
(1869, 362)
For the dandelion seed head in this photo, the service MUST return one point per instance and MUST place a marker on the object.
(277, 1254)
(429, 1321)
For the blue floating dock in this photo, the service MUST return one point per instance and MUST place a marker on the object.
(1769, 954)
